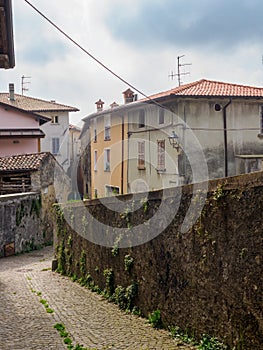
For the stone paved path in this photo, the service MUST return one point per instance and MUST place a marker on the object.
(90, 320)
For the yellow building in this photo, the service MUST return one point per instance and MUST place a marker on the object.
(108, 149)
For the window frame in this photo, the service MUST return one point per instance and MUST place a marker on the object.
(161, 155)
(141, 155)
(141, 121)
(55, 145)
(161, 116)
(95, 160)
(107, 128)
(107, 156)
(54, 119)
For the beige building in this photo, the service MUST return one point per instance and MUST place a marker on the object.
(198, 131)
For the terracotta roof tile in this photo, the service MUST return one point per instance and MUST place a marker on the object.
(32, 104)
(212, 88)
(22, 162)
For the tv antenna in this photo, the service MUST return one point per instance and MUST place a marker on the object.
(24, 84)
(179, 72)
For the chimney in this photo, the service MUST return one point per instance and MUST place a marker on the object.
(99, 105)
(11, 92)
(114, 104)
(128, 96)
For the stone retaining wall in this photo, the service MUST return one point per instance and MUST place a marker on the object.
(206, 280)
(22, 225)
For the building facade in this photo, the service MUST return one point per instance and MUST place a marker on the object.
(195, 132)
(20, 131)
(56, 130)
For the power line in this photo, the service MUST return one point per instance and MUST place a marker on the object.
(92, 56)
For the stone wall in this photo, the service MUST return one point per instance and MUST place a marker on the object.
(207, 280)
(23, 225)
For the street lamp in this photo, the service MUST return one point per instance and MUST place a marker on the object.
(174, 141)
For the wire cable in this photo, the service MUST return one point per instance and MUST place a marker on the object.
(92, 56)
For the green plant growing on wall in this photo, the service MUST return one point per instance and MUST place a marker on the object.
(59, 219)
(128, 263)
(20, 213)
(36, 205)
(82, 264)
(145, 205)
(61, 259)
(115, 250)
(109, 282)
(211, 343)
(155, 319)
(84, 223)
(126, 215)
(70, 241)
(218, 193)
(124, 298)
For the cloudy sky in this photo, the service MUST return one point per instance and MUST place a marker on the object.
(139, 40)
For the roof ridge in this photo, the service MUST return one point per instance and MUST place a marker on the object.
(51, 102)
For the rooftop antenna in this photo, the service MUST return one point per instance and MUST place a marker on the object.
(24, 83)
(179, 72)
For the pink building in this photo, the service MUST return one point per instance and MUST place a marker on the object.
(20, 131)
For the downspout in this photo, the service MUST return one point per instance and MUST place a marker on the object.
(122, 152)
(225, 138)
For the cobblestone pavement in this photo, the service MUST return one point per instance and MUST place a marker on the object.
(90, 320)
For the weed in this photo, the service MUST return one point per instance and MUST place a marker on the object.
(155, 319)
(49, 310)
(218, 193)
(67, 339)
(128, 262)
(176, 332)
(83, 262)
(46, 269)
(211, 343)
(109, 278)
(115, 250)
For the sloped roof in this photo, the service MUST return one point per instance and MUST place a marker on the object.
(32, 104)
(42, 119)
(200, 88)
(22, 162)
(203, 88)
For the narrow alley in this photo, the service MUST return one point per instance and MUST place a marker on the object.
(33, 299)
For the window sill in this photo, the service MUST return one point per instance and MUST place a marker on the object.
(107, 139)
(161, 171)
(141, 168)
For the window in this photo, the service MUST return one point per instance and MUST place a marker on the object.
(261, 120)
(55, 145)
(141, 155)
(111, 190)
(95, 160)
(94, 130)
(107, 160)
(54, 119)
(107, 127)
(141, 118)
(161, 155)
(161, 115)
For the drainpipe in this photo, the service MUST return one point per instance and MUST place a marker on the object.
(225, 137)
(122, 153)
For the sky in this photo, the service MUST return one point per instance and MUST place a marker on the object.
(139, 40)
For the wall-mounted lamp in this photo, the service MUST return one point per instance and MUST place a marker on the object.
(174, 141)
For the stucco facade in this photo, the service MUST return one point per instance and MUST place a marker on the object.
(108, 155)
(19, 131)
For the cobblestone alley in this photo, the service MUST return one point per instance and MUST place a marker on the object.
(91, 321)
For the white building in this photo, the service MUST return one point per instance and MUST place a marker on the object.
(56, 131)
